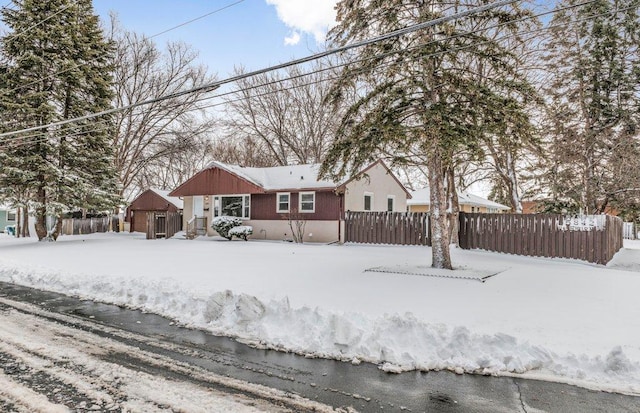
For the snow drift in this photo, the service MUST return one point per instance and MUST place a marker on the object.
(498, 332)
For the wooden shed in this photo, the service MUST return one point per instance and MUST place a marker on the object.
(151, 200)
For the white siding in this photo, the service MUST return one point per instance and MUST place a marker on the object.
(381, 184)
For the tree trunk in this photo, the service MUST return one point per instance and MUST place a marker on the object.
(25, 222)
(18, 222)
(41, 224)
(41, 213)
(512, 185)
(441, 257)
(57, 229)
(454, 207)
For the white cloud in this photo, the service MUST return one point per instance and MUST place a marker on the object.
(314, 17)
(293, 39)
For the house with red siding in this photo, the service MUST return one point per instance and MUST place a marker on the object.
(269, 199)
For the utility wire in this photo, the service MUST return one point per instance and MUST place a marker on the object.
(196, 19)
(377, 56)
(41, 136)
(73, 67)
(21, 138)
(214, 85)
(39, 23)
(294, 77)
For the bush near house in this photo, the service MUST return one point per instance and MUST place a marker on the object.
(222, 225)
(242, 231)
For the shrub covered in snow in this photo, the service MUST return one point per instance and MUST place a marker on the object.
(222, 225)
(243, 231)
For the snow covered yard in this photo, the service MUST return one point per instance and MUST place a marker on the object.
(555, 319)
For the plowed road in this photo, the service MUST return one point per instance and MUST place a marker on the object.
(56, 363)
(60, 353)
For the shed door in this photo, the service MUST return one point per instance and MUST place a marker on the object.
(140, 221)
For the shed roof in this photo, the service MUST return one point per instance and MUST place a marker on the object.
(155, 199)
(177, 202)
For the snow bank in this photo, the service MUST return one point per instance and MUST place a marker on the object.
(549, 319)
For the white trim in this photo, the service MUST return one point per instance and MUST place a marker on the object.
(393, 203)
(244, 205)
(215, 206)
(278, 210)
(300, 202)
(364, 202)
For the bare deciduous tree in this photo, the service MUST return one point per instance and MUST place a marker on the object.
(280, 118)
(153, 143)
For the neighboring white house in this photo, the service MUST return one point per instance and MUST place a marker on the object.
(7, 217)
(468, 202)
(268, 198)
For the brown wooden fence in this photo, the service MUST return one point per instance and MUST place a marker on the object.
(163, 224)
(400, 228)
(79, 226)
(543, 235)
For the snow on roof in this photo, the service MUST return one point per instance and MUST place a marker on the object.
(422, 196)
(279, 177)
(475, 200)
(172, 199)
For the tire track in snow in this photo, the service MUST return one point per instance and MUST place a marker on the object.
(86, 370)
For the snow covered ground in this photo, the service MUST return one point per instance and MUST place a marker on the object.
(561, 320)
(52, 363)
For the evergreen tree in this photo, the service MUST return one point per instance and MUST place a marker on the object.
(58, 67)
(420, 101)
(593, 117)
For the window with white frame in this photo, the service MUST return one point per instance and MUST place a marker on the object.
(391, 201)
(283, 201)
(307, 202)
(11, 216)
(368, 201)
(232, 205)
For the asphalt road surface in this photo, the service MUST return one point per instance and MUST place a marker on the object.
(59, 352)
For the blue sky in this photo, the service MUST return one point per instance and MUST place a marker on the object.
(251, 33)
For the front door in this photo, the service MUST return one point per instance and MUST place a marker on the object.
(198, 206)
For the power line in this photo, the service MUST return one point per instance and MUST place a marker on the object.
(385, 54)
(216, 84)
(41, 137)
(196, 19)
(39, 23)
(40, 134)
(74, 67)
(395, 52)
